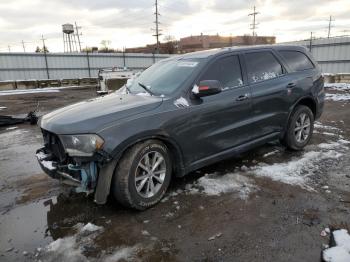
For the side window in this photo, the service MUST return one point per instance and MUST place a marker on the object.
(227, 70)
(297, 61)
(262, 66)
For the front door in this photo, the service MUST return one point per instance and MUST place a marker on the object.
(217, 123)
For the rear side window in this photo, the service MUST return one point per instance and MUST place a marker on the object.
(262, 66)
(297, 61)
(227, 70)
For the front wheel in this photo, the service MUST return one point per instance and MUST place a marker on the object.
(299, 129)
(142, 175)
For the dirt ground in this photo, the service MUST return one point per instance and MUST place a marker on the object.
(266, 205)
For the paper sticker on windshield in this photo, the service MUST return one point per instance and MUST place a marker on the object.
(187, 64)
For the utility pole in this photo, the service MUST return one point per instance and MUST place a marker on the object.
(310, 46)
(157, 34)
(253, 26)
(330, 25)
(24, 48)
(78, 35)
(45, 56)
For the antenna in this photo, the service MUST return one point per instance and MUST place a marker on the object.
(253, 26)
(157, 34)
(330, 25)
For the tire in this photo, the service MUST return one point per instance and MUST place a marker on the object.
(293, 139)
(129, 175)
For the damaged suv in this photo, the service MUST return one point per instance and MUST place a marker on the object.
(181, 114)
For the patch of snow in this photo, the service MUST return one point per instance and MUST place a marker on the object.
(319, 125)
(213, 184)
(181, 102)
(125, 253)
(332, 145)
(270, 153)
(31, 91)
(338, 86)
(296, 171)
(70, 248)
(338, 97)
(195, 89)
(41, 155)
(12, 128)
(48, 165)
(143, 94)
(2, 107)
(340, 252)
(91, 227)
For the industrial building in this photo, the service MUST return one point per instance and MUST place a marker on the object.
(203, 42)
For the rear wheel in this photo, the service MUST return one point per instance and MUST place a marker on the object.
(300, 128)
(142, 175)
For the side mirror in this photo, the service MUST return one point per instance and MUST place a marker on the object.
(207, 88)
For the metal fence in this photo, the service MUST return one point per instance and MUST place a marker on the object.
(333, 54)
(26, 66)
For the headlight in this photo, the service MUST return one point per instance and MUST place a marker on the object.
(81, 145)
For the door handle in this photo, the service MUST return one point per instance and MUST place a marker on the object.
(242, 97)
(291, 85)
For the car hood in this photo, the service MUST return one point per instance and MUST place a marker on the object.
(93, 115)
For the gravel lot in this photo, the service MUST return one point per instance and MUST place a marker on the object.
(266, 205)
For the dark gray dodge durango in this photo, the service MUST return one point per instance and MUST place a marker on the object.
(179, 115)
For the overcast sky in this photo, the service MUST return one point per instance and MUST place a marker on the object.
(129, 22)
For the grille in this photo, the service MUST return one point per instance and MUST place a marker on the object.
(53, 145)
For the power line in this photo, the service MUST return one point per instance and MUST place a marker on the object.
(157, 34)
(330, 25)
(253, 26)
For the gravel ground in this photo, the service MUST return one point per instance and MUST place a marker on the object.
(266, 205)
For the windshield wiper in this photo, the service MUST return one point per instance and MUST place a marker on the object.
(146, 88)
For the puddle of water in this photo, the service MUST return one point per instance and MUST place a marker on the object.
(23, 228)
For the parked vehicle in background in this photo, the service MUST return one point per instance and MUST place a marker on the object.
(179, 115)
(111, 79)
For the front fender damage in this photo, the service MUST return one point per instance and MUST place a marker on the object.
(104, 181)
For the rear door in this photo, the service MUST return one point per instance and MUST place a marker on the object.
(269, 83)
(218, 122)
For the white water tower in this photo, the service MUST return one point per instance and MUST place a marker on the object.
(69, 40)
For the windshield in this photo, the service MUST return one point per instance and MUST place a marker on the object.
(164, 77)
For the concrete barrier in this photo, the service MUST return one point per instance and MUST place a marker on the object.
(31, 84)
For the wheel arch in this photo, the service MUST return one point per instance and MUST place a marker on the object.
(171, 144)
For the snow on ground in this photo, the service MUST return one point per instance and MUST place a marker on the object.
(2, 107)
(124, 254)
(337, 86)
(215, 184)
(71, 248)
(34, 91)
(338, 97)
(340, 252)
(296, 171)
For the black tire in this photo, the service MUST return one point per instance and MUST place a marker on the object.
(290, 140)
(124, 185)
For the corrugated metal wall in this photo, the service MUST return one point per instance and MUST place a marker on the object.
(333, 54)
(25, 66)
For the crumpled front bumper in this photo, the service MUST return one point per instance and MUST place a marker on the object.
(68, 174)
